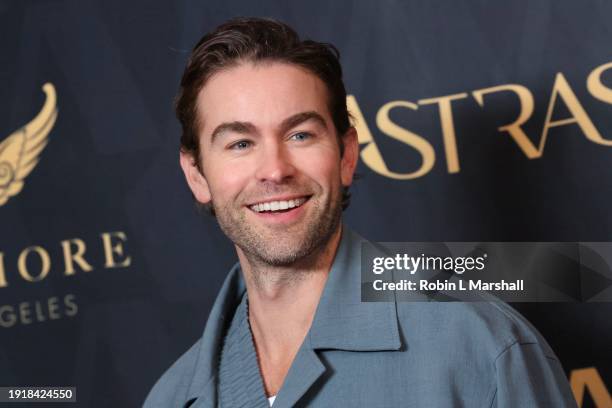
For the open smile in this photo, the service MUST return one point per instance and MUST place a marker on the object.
(278, 205)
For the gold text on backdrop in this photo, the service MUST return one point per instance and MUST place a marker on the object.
(589, 379)
(73, 253)
(372, 157)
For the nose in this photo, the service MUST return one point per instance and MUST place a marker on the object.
(275, 164)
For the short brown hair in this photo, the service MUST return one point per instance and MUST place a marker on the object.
(255, 40)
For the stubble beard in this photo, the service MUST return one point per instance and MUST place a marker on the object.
(282, 248)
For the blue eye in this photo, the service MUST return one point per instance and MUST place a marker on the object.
(240, 145)
(301, 136)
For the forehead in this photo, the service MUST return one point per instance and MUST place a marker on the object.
(260, 93)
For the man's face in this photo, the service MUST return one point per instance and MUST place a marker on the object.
(270, 160)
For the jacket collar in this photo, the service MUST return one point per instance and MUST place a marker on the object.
(341, 322)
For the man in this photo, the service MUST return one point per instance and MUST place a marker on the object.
(268, 147)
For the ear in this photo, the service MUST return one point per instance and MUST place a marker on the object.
(350, 157)
(196, 180)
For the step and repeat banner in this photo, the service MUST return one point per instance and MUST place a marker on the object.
(477, 122)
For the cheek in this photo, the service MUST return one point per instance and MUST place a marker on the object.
(323, 167)
(227, 182)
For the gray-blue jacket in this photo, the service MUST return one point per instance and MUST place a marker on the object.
(391, 354)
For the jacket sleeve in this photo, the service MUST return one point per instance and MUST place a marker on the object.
(527, 377)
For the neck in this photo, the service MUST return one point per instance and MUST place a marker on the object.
(283, 300)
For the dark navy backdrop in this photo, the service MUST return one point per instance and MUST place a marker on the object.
(108, 181)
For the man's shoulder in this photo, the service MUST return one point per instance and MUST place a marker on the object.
(173, 386)
(491, 326)
(192, 372)
(484, 346)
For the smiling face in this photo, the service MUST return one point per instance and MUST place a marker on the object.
(271, 162)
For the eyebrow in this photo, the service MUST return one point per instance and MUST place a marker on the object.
(299, 118)
(235, 127)
(247, 127)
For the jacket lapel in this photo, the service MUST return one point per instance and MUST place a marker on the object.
(341, 322)
(304, 372)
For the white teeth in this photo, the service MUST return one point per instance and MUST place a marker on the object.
(278, 205)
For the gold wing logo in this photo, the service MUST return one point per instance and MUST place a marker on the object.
(19, 153)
